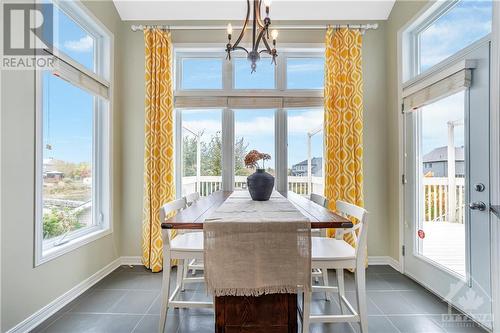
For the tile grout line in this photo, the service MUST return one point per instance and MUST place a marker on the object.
(393, 325)
(67, 311)
(144, 315)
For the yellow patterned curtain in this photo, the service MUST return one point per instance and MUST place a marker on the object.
(343, 118)
(159, 143)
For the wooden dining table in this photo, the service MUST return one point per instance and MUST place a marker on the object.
(272, 313)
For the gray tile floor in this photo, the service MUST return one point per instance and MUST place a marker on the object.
(128, 301)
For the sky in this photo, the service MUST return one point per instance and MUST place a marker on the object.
(435, 118)
(453, 31)
(68, 110)
(257, 127)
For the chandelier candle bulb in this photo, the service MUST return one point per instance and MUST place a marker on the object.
(274, 34)
(267, 3)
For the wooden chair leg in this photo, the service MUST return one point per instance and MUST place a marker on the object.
(326, 282)
(341, 286)
(165, 291)
(306, 311)
(361, 298)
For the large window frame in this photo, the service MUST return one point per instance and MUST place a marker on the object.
(97, 82)
(229, 99)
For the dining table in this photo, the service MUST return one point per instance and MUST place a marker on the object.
(273, 313)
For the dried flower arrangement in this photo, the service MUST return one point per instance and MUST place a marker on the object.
(252, 158)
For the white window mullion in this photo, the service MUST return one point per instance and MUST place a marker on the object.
(228, 149)
(178, 153)
(281, 150)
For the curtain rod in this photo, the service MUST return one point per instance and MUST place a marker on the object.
(140, 27)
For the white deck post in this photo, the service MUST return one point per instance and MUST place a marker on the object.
(309, 164)
(198, 162)
(452, 187)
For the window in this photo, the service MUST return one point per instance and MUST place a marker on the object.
(254, 129)
(73, 40)
(218, 109)
(210, 73)
(201, 151)
(262, 78)
(73, 191)
(305, 150)
(201, 73)
(305, 73)
(448, 28)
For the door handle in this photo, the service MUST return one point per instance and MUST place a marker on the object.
(477, 205)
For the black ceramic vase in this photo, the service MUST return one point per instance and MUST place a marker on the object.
(260, 185)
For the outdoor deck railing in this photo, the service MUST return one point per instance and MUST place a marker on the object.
(210, 184)
(437, 206)
(436, 203)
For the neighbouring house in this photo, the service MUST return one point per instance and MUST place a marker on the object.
(53, 176)
(436, 162)
(300, 169)
(50, 173)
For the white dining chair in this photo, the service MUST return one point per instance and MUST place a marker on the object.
(316, 273)
(192, 265)
(335, 253)
(192, 197)
(183, 247)
(319, 199)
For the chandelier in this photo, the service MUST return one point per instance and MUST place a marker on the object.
(260, 32)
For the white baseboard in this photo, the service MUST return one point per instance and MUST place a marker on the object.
(130, 260)
(44, 313)
(384, 260)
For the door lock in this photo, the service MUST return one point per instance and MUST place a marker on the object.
(477, 205)
(479, 187)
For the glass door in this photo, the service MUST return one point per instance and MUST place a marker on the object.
(447, 236)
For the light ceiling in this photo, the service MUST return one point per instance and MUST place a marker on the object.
(287, 10)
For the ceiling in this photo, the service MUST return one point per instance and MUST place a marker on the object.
(287, 10)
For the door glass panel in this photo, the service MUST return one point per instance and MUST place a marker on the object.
(253, 129)
(305, 151)
(462, 25)
(441, 232)
(201, 151)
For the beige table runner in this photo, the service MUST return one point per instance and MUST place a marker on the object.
(256, 247)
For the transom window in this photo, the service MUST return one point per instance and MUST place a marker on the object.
(209, 73)
(448, 28)
(223, 111)
(73, 120)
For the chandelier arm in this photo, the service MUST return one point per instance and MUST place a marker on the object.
(261, 33)
(267, 45)
(243, 29)
(254, 24)
(240, 48)
(259, 19)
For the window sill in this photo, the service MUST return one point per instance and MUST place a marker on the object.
(57, 251)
